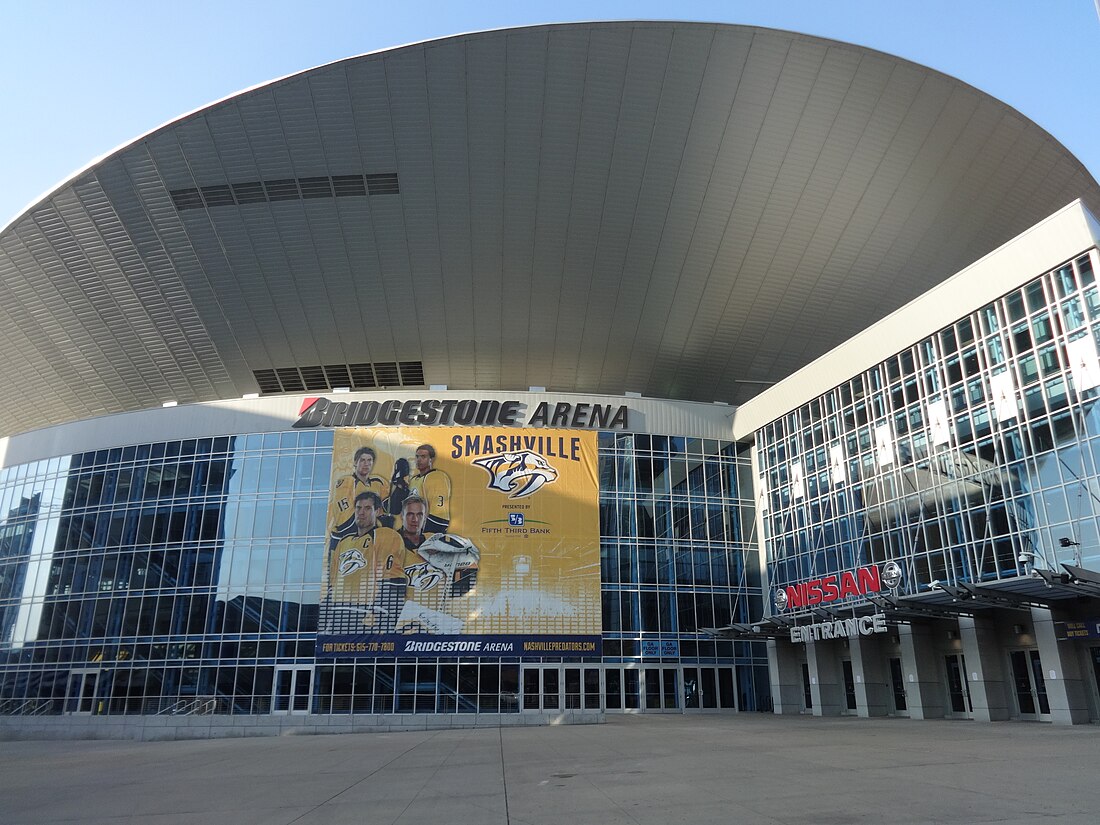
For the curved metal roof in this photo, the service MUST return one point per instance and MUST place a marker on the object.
(683, 210)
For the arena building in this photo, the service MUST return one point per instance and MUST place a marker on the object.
(490, 377)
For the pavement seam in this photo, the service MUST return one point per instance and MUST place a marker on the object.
(363, 779)
(438, 767)
(504, 776)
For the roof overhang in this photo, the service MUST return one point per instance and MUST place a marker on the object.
(682, 210)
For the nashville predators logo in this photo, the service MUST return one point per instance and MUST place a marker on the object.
(423, 576)
(350, 561)
(517, 474)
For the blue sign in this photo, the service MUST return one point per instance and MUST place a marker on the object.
(664, 648)
(515, 519)
(1087, 629)
(521, 646)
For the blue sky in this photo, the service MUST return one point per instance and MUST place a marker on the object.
(81, 78)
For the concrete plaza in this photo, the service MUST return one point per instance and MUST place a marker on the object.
(633, 769)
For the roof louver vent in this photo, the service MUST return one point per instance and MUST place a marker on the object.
(383, 184)
(387, 374)
(291, 379)
(362, 376)
(337, 375)
(249, 192)
(347, 186)
(412, 373)
(286, 189)
(217, 195)
(316, 378)
(316, 187)
(268, 381)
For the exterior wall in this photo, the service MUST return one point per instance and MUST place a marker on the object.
(181, 577)
(970, 458)
(155, 728)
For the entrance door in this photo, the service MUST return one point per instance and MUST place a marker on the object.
(613, 690)
(670, 683)
(701, 688)
(593, 695)
(1094, 652)
(1031, 689)
(557, 687)
(293, 690)
(551, 688)
(958, 689)
(901, 707)
(662, 691)
(572, 688)
(807, 693)
(849, 685)
(621, 689)
(80, 697)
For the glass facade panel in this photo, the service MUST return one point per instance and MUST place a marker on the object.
(185, 577)
(971, 474)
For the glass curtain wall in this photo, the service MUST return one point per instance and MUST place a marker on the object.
(184, 577)
(966, 457)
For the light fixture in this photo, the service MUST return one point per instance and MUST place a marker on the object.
(169, 403)
(536, 389)
(437, 387)
(630, 394)
(250, 395)
(341, 389)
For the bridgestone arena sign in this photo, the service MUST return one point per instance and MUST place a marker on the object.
(434, 412)
(840, 629)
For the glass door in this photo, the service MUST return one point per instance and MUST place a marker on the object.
(551, 689)
(708, 689)
(958, 689)
(542, 687)
(622, 688)
(1094, 653)
(901, 707)
(670, 678)
(80, 696)
(293, 690)
(573, 691)
(593, 695)
(849, 686)
(691, 688)
(661, 688)
(1030, 687)
(613, 688)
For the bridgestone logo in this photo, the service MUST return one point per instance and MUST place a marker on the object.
(443, 647)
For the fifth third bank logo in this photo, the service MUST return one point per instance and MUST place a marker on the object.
(517, 474)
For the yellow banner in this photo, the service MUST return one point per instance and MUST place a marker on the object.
(484, 532)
